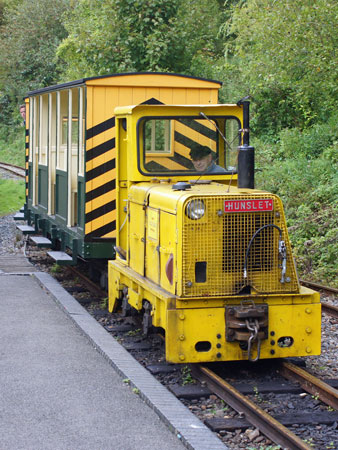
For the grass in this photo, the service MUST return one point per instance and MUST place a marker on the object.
(12, 146)
(12, 196)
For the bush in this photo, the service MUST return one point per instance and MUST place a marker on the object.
(311, 142)
(309, 191)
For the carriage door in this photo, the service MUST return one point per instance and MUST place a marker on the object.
(61, 178)
(73, 153)
(51, 152)
(32, 102)
(42, 152)
(81, 159)
(34, 144)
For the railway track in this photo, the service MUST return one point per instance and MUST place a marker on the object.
(270, 426)
(273, 427)
(319, 287)
(327, 308)
(90, 285)
(330, 310)
(13, 169)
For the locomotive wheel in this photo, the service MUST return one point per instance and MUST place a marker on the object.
(147, 319)
(126, 308)
(104, 281)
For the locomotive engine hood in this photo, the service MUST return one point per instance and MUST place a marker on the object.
(225, 241)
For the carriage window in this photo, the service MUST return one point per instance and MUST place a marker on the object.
(75, 130)
(43, 147)
(62, 132)
(157, 136)
(36, 125)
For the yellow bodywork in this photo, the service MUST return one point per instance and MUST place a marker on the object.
(190, 271)
(187, 323)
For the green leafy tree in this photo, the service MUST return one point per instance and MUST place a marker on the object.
(116, 36)
(29, 36)
(141, 35)
(285, 55)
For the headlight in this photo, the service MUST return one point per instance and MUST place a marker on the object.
(195, 209)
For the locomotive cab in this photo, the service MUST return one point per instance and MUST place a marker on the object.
(199, 251)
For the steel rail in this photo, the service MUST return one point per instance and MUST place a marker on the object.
(319, 286)
(11, 165)
(269, 426)
(329, 309)
(309, 383)
(16, 170)
(91, 286)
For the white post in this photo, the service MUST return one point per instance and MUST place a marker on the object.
(69, 165)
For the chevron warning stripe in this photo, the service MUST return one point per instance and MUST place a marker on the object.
(100, 208)
(26, 161)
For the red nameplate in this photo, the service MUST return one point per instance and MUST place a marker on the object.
(233, 206)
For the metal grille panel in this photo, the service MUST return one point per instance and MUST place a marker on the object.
(218, 242)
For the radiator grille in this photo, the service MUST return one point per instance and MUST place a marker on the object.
(217, 243)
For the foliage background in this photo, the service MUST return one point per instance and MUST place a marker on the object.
(281, 53)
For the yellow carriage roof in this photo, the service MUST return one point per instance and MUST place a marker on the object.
(152, 79)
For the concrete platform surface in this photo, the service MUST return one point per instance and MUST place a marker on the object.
(58, 386)
(15, 264)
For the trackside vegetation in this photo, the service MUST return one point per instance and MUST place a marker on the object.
(281, 54)
(308, 187)
(12, 196)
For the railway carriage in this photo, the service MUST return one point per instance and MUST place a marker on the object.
(166, 187)
(71, 155)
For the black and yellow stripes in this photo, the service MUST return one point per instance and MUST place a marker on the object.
(100, 207)
(100, 128)
(26, 162)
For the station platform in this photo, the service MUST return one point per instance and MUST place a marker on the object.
(63, 378)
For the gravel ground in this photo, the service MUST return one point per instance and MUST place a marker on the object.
(11, 239)
(323, 366)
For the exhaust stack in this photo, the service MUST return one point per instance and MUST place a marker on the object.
(246, 153)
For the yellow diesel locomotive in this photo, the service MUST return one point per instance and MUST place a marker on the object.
(166, 187)
(200, 252)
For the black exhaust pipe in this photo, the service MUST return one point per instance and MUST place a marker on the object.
(246, 153)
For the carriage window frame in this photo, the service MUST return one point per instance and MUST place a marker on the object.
(141, 154)
(168, 134)
(62, 148)
(74, 130)
(31, 129)
(36, 127)
(81, 131)
(43, 130)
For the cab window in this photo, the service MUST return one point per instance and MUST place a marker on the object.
(177, 145)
